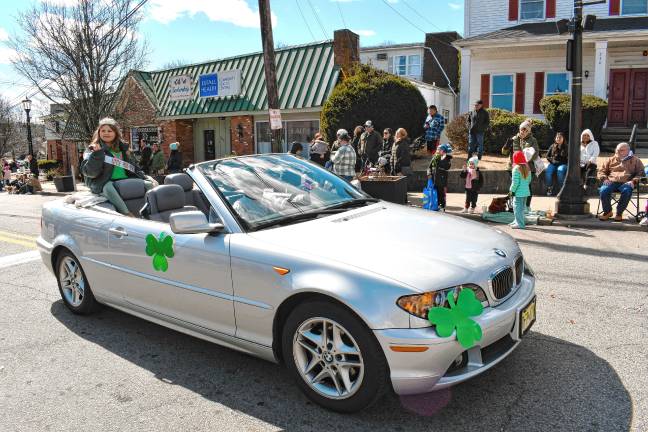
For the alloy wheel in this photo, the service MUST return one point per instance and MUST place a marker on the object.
(72, 282)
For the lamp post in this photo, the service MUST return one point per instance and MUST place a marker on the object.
(26, 104)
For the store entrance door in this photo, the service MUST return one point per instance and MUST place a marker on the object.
(212, 138)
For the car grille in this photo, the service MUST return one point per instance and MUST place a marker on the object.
(502, 283)
(519, 270)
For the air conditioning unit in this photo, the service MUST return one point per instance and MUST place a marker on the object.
(381, 56)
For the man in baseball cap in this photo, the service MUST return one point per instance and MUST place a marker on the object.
(370, 144)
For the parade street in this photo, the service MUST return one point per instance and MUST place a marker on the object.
(582, 367)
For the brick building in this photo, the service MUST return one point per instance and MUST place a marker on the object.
(183, 104)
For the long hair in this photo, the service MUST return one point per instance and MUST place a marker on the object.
(95, 135)
(401, 134)
(524, 170)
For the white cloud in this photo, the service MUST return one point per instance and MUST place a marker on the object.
(3, 34)
(7, 55)
(455, 6)
(366, 33)
(236, 12)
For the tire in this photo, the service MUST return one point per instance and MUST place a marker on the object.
(75, 289)
(360, 379)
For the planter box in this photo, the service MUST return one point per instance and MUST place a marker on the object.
(388, 188)
(64, 184)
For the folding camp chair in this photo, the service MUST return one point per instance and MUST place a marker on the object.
(634, 207)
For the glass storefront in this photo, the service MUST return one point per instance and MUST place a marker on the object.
(301, 131)
(140, 136)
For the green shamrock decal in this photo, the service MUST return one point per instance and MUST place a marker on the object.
(445, 320)
(160, 249)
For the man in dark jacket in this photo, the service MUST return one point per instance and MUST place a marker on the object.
(145, 160)
(32, 166)
(478, 123)
(370, 143)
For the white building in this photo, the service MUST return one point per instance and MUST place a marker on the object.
(512, 56)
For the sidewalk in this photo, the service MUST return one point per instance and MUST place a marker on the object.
(50, 190)
(455, 203)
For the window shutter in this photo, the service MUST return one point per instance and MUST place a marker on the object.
(615, 7)
(520, 83)
(485, 90)
(538, 91)
(551, 8)
(513, 10)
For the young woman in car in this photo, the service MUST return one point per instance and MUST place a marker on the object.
(108, 160)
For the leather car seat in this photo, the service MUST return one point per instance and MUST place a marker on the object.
(192, 196)
(164, 200)
(132, 191)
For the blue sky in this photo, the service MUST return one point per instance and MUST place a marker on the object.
(199, 30)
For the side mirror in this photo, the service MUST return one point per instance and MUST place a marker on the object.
(193, 222)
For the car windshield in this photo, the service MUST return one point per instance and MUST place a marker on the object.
(264, 190)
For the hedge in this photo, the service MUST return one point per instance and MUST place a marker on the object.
(370, 94)
(47, 164)
(557, 109)
(504, 125)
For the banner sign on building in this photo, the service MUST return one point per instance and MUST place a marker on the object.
(180, 87)
(220, 84)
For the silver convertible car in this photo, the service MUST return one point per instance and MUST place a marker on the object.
(276, 257)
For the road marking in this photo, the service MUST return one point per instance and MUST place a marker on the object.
(18, 239)
(17, 235)
(20, 258)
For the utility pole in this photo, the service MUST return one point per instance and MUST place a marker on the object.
(270, 69)
(571, 199)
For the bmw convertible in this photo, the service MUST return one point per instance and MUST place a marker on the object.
(279, 258)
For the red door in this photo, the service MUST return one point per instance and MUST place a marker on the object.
(638, 97)
(618, 97)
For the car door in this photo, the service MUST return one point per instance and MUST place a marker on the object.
(187, 278)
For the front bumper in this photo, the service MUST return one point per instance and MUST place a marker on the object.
(422, 372)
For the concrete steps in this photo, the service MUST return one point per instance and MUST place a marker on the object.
(614, 135)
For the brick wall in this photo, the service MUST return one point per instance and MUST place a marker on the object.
(134, 108)
(178, 131)
(242, 139)
(346, 48)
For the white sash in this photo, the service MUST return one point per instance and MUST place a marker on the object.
(113, 161)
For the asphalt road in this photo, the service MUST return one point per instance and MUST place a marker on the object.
(584, 365)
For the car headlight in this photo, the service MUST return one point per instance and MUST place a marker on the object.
(419, 304)
(528, 270)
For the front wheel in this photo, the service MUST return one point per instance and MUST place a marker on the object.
(73, 285)
(333, 357)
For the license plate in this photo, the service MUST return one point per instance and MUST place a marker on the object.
(527, 317)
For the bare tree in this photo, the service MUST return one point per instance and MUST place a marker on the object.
(9, 126)
(77, 55)
(174, 64)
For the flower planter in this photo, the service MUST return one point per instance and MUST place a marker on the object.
(64, 184)
(388, 188)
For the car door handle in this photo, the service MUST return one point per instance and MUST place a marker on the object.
(118, 232)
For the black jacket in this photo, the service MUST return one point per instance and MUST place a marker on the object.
(557, 154)
(97, 173)
(387, 145)
(174, 164)
(400, 156)
(439, 171)
(479, 121)
(145, 160)
(476, 183)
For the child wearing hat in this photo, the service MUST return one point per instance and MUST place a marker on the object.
(520, 181)
(438, 172)
(474, 182)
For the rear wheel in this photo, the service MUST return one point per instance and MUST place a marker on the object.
(333, 357)
(73, 285)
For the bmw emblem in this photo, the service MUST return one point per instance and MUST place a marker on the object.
(500, 252)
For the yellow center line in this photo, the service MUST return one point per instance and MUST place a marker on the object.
(17, 236)
(26, 243)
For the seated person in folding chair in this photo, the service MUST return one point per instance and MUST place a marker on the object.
(620, 173)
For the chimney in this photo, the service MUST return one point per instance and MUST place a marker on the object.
(346, 49)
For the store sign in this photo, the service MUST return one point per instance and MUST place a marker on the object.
(180, 87)
(220, 84)
(141, 136)
(275, 119)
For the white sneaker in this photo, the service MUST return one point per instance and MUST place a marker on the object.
(644, 221)
(464, 210)
(472, 210)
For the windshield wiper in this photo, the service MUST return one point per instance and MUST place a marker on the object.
(358, 202)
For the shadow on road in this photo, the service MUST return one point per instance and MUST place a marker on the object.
(583, 250)
(546, 384)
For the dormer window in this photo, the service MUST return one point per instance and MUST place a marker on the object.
(532, 10)
(634, 7)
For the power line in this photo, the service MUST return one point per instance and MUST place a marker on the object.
(317, 19)
(421, 16)
(414, 25)
(353, 46)
(305, 22)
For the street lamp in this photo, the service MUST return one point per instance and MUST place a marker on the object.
(26, 104)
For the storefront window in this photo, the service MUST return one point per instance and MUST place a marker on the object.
(140, 136)
(301, 131)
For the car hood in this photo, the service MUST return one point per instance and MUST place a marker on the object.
(422, 249)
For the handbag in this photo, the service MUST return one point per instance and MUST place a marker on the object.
(430, 197)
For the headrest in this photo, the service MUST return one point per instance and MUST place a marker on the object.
(180, 179)
(130, 188)
(168, 197)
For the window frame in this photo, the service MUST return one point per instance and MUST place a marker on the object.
(284, 131)
(393, 65)
(632, 14)
(546, 83)
(492, 92)
(544, 11)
